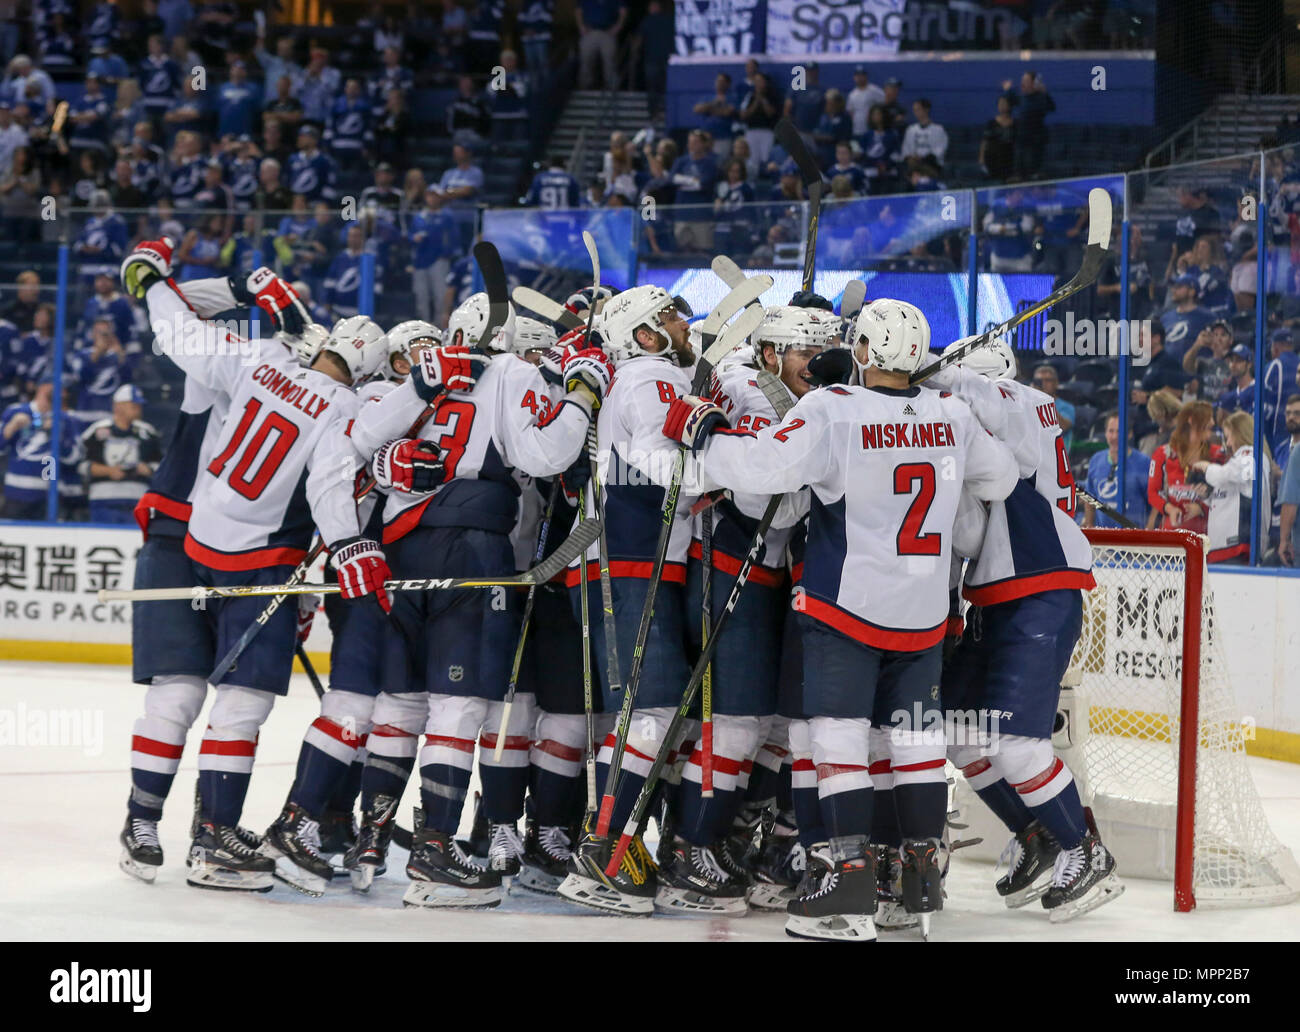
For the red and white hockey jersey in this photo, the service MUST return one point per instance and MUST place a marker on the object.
(636, 465)
(886, 468)
(747, 407)
(1031, 543)
(506, 422)
(1233, 484)
(271, 477)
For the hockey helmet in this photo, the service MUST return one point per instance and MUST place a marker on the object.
(403, 337)
(896, 335)
(625, 313)
(532, 335)
(360, 344)
(994, 360)
(470, 320)
(791, 326)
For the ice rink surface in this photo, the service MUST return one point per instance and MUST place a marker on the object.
(63, 799)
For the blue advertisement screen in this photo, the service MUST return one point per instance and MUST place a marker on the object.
(942, 296)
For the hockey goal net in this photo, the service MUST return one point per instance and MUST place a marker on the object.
(1156, 739)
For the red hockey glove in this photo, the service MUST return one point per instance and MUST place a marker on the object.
(274, 296)
(454, 367)
(362, 570)
(407, 465)
(148, 262)
(691, 420)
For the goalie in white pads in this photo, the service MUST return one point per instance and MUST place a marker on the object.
(1025, 589)
(875, 587)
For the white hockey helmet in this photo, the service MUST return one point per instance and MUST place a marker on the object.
(470, 320)
(994, 360)
(360, 343)
(896, 335)
(790, 326)
(308, 344)
(532, 335)
(627, 312)
(404, 336)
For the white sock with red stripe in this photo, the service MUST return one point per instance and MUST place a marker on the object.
(329, 748)
(645, 734)
(171, 705)
(227, 751)
(1044, 784)
(505, 781)
(840, 750)
(701, 821)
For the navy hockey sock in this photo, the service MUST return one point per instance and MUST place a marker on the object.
(445, 766)
(344, 798)
(1063, 816)
(324, 763)
(554, 780)
(921, 810)
(504, 783)
(884, 819)
(784, 790)
(847, 814)
(807, 807)
(998, 796)
(390, 758)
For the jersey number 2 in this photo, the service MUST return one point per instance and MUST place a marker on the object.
(251, 487)
(910, 540)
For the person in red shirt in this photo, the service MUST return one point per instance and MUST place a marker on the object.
(1174, 502)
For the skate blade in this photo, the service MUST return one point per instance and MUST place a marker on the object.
(296, 878)
(206, 876)
(925, 926)
(142, 872)
(363, 876)
(837, 928)
(1035, 890)
(436, 895)
(768, 897)
(1109, 888)
(533, 879)
(892, 917)
(589, 893)
(688, 902)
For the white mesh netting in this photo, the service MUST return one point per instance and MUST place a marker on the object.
(1129, 665)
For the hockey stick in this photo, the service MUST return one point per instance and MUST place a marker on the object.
(572, 547)
(1094, 257)
(809, 171)
(613, 669)
(588, 690)
(518, 663)
(855, 292)
(714, 352)
(535, 301)
(309, 670)
(1106, 510)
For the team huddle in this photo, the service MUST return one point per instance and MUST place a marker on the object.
(821, 506)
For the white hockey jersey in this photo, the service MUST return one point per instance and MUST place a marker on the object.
(747, 407)
(886, 468)
(1031, 542)
(1228, 523)
(506, 422)
(270, 478)
(636, 464)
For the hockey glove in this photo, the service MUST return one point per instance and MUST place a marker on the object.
(362, 570)
(576, 339)
(409, 466)
(831, 366)
(587, 376)
(307, 606)
(809, 299)
(148, 263)
(453, 367)
(274, 296)
(691, 420)
(577, 476)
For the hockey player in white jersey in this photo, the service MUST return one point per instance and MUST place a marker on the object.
(494, 417)
(644, 331)
(272, 476)
(1025, 589)
(886, 463)
(750, 744)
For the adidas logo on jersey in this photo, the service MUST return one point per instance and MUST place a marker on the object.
(908, 410)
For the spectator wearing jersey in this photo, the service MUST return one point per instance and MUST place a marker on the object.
(310, 171)
(433, 237)
(695, 174)
(1008, 226)
(383, 196)
(760, 108)
(719, 114)
(89, 117)
(534, 21)
(1279, 385)
(350, 136)
(924, 138)
(1103, 481)
(1207, 264)
(100, 369)
(1289, 494)
(214, 195)
(101, 244)
(880, 146)
(1232, 486)
(1208, 360)
(187, 112)
(107, 302)
(599, 23)
(1175, 502)
(861, 99)
(319, 86)
(343, 280)
(554, 188)
(460, 283)
(1198, 217)
(120, 452)
(26, 430)
(240, 164)
(845, 166)
(1184, 318)
(833, 127)
(468, 114)
(483, 40)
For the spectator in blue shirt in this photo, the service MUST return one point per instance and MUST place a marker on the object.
(804, 107)
(238, 103)
(310, 172)
(1240, 395)
(1103, 481)
(1185, 318)
(845, 166)
(534, 21)
(343, 280)
(719, 115)
(319, 86)
(433, 236)
(107, 303)
(695, 174)
(89, 115)
(554, 188)
(1289, 496)
(187, 112)
(110, 68)
(835, 125)
(350, 136)
(25, 433)
(1279, 385)
(461, 184)
(100, 368)
(599, 23)
(392, 76)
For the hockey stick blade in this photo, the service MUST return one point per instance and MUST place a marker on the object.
(740, 296)
(573, 546)
(730, 339)
(855, 292)
(535, 301)
(498, 289)
(1094, 257)
(787, 135)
